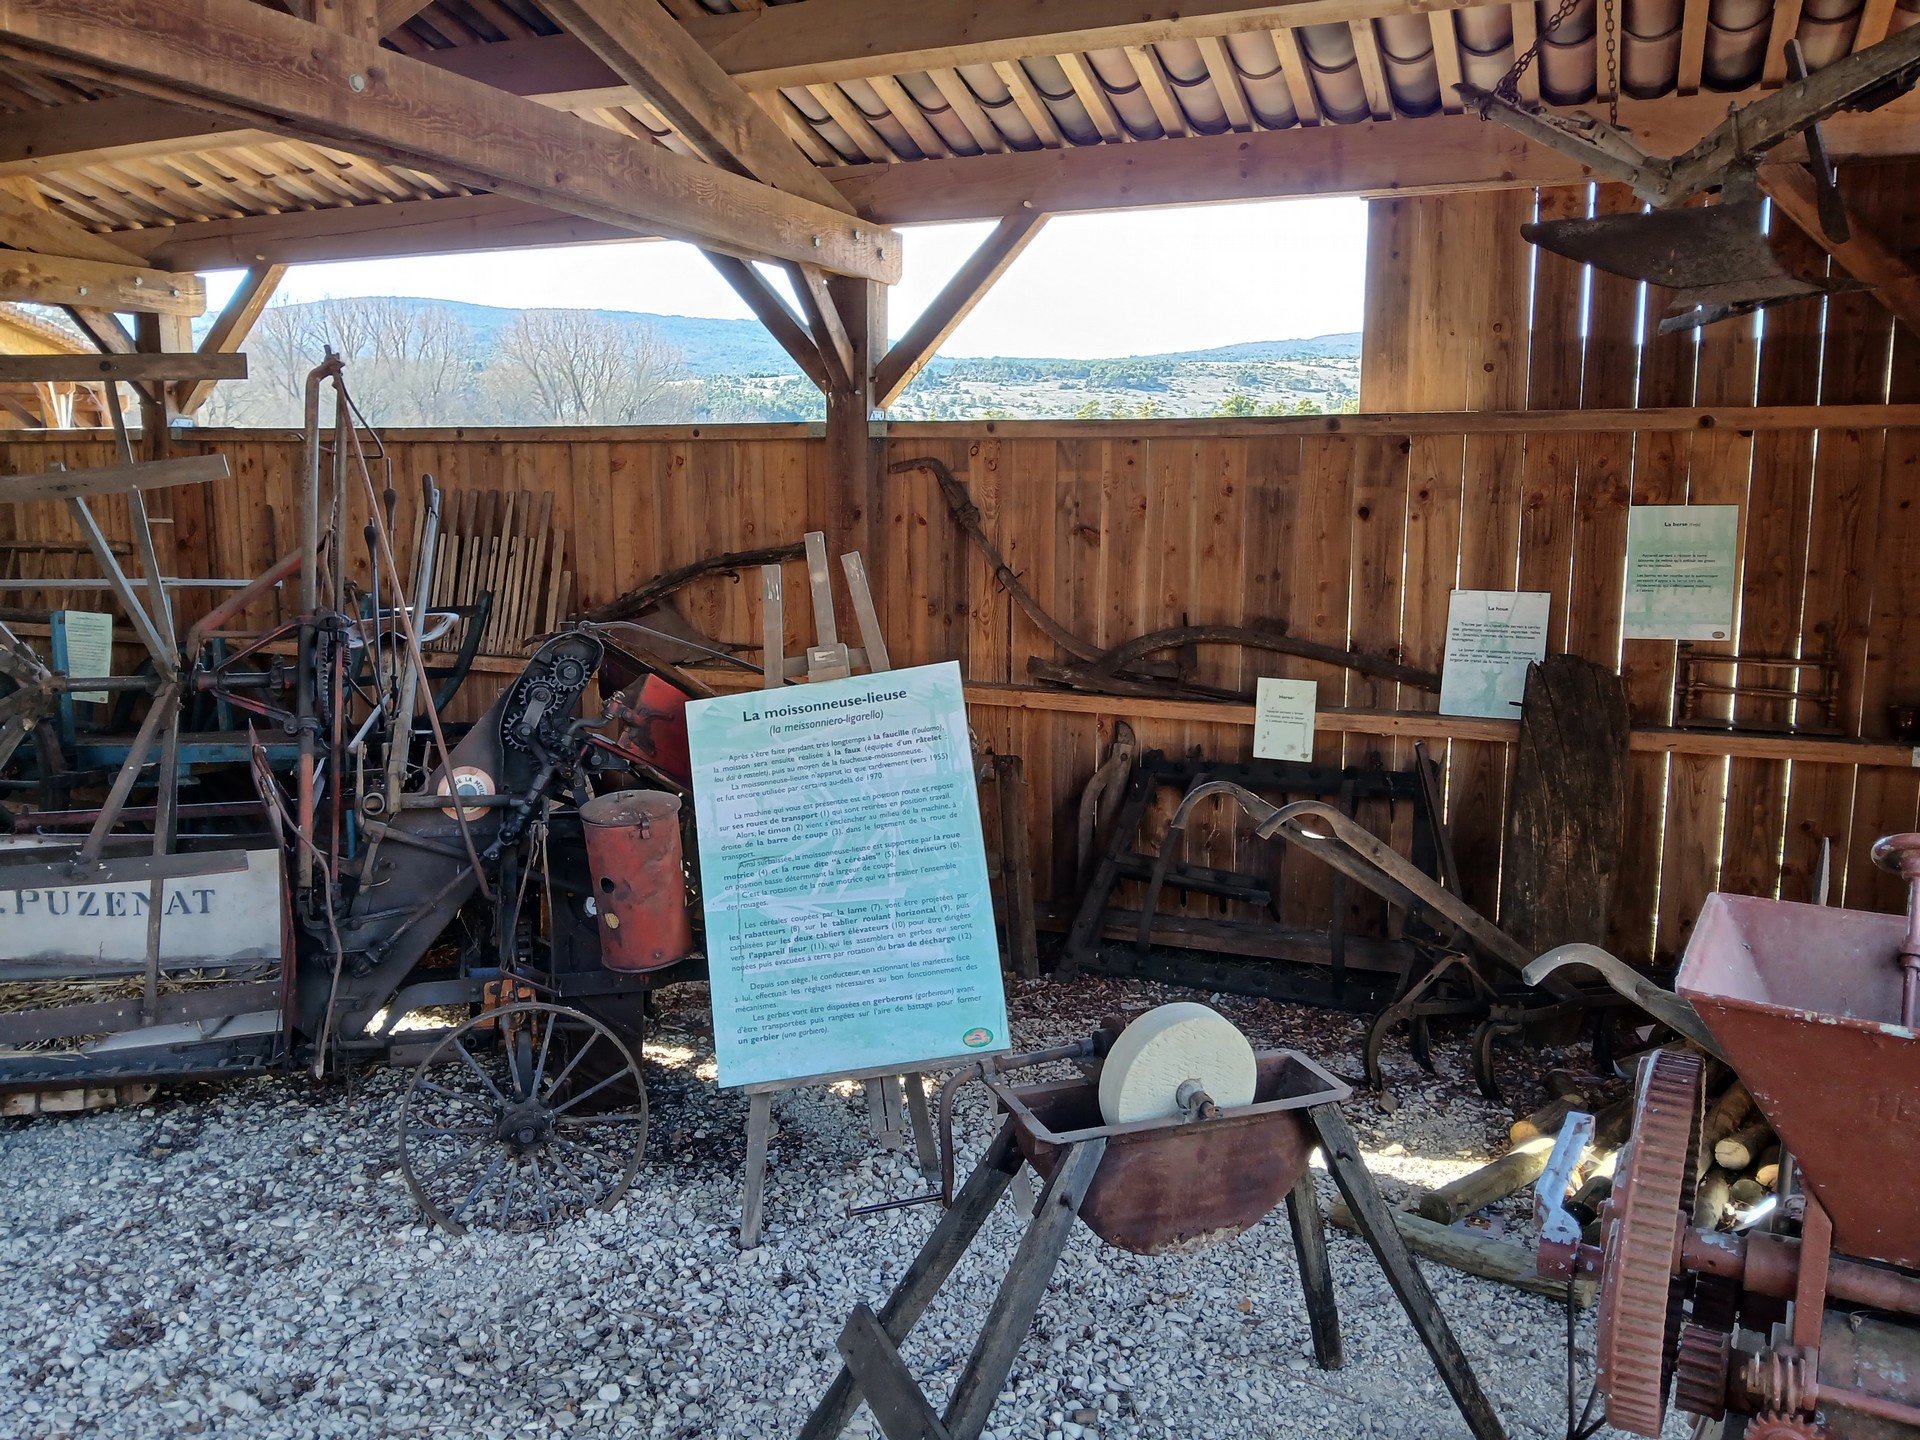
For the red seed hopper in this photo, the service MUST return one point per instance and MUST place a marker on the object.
(1805, 1002)
(1806, 1324)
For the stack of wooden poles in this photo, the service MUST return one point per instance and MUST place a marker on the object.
(504, 542)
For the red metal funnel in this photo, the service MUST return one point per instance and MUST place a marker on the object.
(1805, 1001)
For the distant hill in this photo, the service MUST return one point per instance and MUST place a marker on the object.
(704, 369)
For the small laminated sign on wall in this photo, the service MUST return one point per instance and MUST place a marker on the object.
(84, 639)
(849, 923)
(1682, 570)
(1283, 719)
(1492, 636)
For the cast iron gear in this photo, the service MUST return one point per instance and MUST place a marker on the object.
(1700, 1372)
(1784, 1427)
(1640, 1299)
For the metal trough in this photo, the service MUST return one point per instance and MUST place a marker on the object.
(1805, 1002)
(1172, 1185)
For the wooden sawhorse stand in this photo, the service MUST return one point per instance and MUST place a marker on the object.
(875, 1373)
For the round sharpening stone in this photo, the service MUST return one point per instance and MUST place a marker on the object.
(1164, 1048)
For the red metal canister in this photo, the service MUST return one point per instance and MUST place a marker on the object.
(639, 884)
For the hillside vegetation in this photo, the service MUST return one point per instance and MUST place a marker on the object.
(431, 362)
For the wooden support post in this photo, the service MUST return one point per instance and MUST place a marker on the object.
(926, 1149)
(160, 335)
(1316, 1276)
(759, 1130)
(928, 1272)
(1016, 869)
(853, 459)
(1376, 1224)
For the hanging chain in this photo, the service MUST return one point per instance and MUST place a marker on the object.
(1509, 86)
(1613, 71)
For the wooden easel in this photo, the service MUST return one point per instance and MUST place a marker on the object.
(896, 1100)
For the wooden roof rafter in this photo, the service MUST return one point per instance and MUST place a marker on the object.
(227, 55)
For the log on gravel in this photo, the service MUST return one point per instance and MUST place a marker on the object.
(1548, 1119)
(1491, 1183)
(1474, 1254)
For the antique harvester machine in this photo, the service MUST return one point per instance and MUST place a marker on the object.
(523, 886)
(1806, 1324)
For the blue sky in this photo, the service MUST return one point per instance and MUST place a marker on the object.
(1090, 286)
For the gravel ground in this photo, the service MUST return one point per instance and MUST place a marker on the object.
(247, 1261)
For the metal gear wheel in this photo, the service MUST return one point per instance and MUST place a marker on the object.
(1700, 1372)
(1640, 1300)
(1784, 1427)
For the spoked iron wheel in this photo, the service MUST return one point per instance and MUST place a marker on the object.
(499, 1127)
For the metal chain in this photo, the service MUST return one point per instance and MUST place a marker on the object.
(1613, 72)
(1509, 86)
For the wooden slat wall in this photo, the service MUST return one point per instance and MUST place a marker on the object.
(1124, 528)
(1349, 538)
(1829, 533)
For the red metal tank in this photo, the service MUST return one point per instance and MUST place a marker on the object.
(639, 883)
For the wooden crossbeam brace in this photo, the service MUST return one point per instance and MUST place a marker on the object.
(230, 330)
(969, 285)
(765, 302)
(85, 369)
(651, 51)
(828, 328)
(1862, 255)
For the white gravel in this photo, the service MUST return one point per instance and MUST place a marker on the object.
(245, 1260)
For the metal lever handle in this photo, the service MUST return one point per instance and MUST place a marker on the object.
(1559, 1231)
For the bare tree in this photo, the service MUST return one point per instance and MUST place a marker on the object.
(582, 367)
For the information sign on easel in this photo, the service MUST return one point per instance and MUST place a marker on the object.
(849, 923)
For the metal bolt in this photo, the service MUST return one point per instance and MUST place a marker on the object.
(138, 281)
(174, 290)
(817, 242)
(356, 82)
(858, 236)
(1026, 204)
(82, 290)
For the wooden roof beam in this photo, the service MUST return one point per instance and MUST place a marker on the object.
(651, 51)
(1862, 255)
(1439, 154)
(830, 40)
(107, 132)
(246, 61)
(968, 287)
(455, 223)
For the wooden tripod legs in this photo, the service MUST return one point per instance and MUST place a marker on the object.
(869, 1343)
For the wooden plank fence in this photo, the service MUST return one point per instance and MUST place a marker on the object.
(1349, 536)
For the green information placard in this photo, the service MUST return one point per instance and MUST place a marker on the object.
(849, 923)
(1682, 572)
